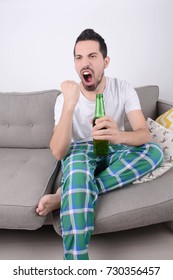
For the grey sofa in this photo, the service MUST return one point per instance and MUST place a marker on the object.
(28, 169)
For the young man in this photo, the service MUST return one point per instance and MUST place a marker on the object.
(131, 155)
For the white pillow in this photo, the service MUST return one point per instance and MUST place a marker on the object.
(163, 137)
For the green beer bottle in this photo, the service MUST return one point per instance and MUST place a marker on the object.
(100, 146)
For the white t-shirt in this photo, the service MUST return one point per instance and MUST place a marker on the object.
(119, 98)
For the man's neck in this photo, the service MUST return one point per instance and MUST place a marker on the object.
(91, 95)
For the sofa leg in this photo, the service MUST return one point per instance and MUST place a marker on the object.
(170, 225)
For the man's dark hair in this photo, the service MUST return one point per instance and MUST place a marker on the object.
(90, 34)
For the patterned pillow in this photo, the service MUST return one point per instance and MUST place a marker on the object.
(163, 137)
(166, 119)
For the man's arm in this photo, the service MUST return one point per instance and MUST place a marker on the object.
(61, 138)
(138, 136)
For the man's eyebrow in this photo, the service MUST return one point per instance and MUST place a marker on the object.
(95, 53)
(79, 55)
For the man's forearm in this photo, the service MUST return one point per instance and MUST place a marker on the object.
(135, 138)
(62, 135)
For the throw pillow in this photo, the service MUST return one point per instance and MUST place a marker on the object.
(166, 119)
(163, 137)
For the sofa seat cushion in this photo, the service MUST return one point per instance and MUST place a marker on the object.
(132, 206)
(136, 205)
(25, 176)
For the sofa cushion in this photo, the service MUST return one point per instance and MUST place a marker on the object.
(25, 176)
(27, 119)
(136, 205)
(132, 206)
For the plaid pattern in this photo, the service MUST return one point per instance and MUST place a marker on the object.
(85, 176)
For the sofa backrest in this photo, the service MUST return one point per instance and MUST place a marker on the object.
(148, 96)
(27, 119)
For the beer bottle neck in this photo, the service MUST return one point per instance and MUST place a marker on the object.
(99, 109)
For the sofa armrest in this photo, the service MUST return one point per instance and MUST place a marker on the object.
(163, 106)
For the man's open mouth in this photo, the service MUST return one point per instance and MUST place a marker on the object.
(87, 76)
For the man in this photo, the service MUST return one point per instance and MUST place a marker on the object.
(131, 155)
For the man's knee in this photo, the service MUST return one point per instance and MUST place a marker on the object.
(156, 153)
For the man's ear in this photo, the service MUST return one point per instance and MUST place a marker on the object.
(107, 60)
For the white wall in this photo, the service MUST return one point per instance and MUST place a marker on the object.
(37, 38)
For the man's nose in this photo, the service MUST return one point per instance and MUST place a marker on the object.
(85, 63)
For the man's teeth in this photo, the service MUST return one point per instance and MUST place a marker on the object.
(86, 73)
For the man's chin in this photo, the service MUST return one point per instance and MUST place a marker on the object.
(90, 87)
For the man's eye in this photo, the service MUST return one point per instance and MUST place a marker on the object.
(78, 57)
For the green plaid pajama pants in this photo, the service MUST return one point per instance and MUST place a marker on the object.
(85, 176)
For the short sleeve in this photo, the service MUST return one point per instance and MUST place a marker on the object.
(132, 100)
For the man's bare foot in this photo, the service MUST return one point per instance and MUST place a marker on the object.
(48, 203)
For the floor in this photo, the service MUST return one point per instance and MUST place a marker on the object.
(153, 242)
